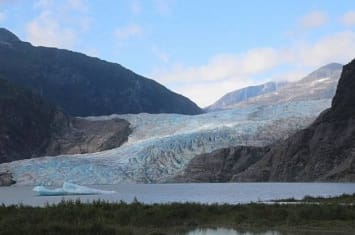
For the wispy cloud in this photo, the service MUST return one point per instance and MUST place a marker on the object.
(47, 31)
(127, 32)
(348, 18)
(2, 16)
(313, 19)
(222, 73)
(59, 23)
(160, 54)
(136, 7)
(164, 7)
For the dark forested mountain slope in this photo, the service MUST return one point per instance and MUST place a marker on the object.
(31, 127)
(83, 85)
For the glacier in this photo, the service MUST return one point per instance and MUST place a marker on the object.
(161, 145)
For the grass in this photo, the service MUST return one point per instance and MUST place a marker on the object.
(99, 217)
(345, 198)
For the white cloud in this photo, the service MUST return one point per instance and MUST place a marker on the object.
(338, 47)
(59, 23)
(314, 19)
(225, 66)
(348, 18)
(205, 94)
(222, 73)
(2, 16)
(47, 31)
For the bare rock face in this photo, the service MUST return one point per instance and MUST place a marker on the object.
(6, 179)
(85, 136)
(30, 127)
(221, 165)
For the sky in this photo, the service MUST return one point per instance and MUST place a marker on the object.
(201, 49)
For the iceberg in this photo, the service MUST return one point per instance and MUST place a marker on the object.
(69, 189)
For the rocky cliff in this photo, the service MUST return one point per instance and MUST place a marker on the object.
(83, 85)
(220, 165)
(325, 151)
(31, 127)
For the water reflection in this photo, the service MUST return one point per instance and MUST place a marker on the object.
(223, 231)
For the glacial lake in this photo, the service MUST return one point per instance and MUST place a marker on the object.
(231, 193)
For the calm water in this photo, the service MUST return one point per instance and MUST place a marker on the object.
(222, 231)
(232, 193)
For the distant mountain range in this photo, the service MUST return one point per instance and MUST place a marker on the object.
(324, 151)
(244, 94)
(83, 85)
(320, 84)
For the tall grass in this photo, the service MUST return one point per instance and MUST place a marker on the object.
(99, 217)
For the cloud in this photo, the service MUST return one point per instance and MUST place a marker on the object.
(348, 18)
(225, 72)
(161, 55)
(47, 31)
(59, 23)
(8, 1)
(314, 19)
(2, 16)
(338, 47)
(225, 66)
(163, 7)
(136, 7)
(205, 94)
(127, 32)
(77, 5)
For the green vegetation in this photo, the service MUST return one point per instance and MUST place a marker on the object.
(74, 217)
(345, 198)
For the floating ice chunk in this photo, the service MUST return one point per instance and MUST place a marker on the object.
(43, 191)
(69, 189)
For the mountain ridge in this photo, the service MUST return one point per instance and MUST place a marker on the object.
(322, 83)
(83, 85)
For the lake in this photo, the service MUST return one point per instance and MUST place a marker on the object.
(231, 193)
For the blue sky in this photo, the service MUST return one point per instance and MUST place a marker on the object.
(199, 48)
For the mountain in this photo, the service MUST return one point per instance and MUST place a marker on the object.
(83, 85)
(324, 151)
(176, 148)
(243, 94)
(320, 84)
(31, 127)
